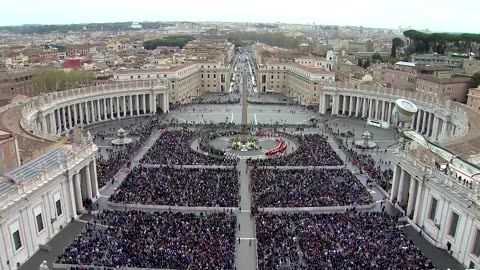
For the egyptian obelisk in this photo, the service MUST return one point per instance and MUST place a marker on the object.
(244, 128)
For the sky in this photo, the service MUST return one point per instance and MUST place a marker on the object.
(435, 15)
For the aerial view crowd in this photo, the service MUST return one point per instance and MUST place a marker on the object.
(307, 188)
(183, 187)
(167, 240)
(173, 148)
(155, 240)
(366, 240)
(313, 150)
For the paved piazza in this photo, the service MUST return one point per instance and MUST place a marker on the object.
(210, 190)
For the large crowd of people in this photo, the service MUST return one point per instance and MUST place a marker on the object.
(360, 241)
(307, 188)
(179, 187)
(155, 240)
(116, 158)
(173, 148)
(313, 150)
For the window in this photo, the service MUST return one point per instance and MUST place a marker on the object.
(58, 207)
(433, 209)
(17, 241)
(39, 221)
(453, 225)
(476, 245)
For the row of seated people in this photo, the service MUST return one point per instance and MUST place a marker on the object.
(352, 241)
(313, 150)
(174, 148)
(150, 240)
(307, 188)
(179, 187)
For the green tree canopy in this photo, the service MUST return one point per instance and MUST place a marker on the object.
(475, 82)
(272, 39)
(397, 43)
(171, 41)
(58, 80)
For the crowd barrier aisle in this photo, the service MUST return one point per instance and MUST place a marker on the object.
(326, 209)
(162, 208)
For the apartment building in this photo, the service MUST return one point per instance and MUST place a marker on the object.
(399, 76)
(205, 50)
(454, 88)
(473, 98)
(72, 50)
(9, 155)
(18, 83)
(437, 60)
(292, 79)
(471, 66)
(185, 81)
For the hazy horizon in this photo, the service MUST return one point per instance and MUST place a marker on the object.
(434, 15)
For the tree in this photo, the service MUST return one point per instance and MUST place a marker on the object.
(366, 64)
(376, 58)
(57, 80)
(397, 43)
(475, 81)
(360, 62)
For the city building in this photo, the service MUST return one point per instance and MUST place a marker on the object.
(10, 157)
(440, 82)
(471, 66)
(185, 81)
(437, 60)
(73, 50)
(473, 98)
(18, 82)
(399, 76)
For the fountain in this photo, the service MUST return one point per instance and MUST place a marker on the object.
(366, 141)
(121, 138)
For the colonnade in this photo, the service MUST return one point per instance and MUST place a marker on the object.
(83, 185)
(426, 122)
(63, 117)
(406, 190)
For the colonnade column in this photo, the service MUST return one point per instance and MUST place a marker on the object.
(75, 114)
(92, 110)
(401, 186)
(64, 118)
(124, 106)
(110, 102)
(87, 118)
(424, 122)
(435, 128)
(78, 192)
(419, 117)
(117, 109)
(418, 201)
(153, 103)
(69, 112)
(364, 107)
(429, 125)
(383, 111)
(71, 192)
(95, 191)
(53, 123)
(99, 112)
(165, 103)
(80, 108)
(344, 104)
(357, 109)
(88, 182)
(105, 114)
(389, 115)
(59, 123)
(144, 99)
(137, 105)
(350, 108)
(395, 183)
(411, 196)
